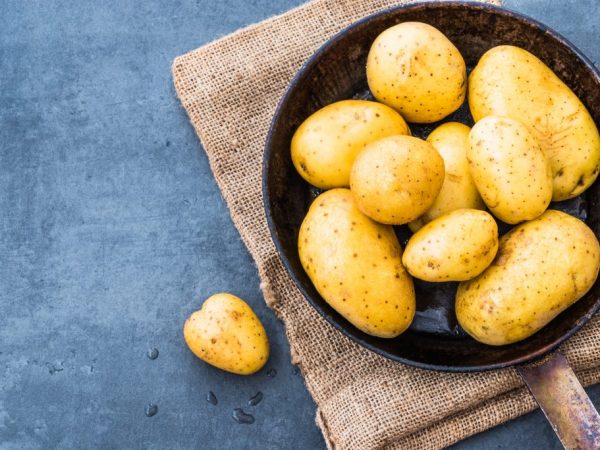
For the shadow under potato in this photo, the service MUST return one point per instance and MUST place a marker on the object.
(337, 72)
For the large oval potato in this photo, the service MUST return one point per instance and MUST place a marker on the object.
(416, 70)
(542, 267)
(226, 333)
(451, 140)
(457, 246)
(355, 264)
(510, 170)
(325, 145)
(396, 179)
(510, 81)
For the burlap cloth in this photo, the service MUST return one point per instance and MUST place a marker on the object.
(230, 89)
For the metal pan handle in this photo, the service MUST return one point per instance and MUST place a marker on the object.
(564, 402)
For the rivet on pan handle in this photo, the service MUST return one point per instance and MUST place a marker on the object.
(564, 402)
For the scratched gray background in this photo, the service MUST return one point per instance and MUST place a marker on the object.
(112, 231)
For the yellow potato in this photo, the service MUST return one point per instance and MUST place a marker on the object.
(416, 70)
(451, 140)
(510, 170)
(542, 268)
(355, 264)
(226, 333)
(457, 246)
(509, 81)
(326, 144)
(396, 179)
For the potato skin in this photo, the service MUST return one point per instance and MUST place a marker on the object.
(451, 140)
(355, 264)
(510, 81)
(542, 267)
(396, 179)
(227, 334)
(325, 145)
(416, 70)
(510, 170)
(457, 246)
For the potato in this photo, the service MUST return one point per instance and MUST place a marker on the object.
(396, 179)
(458, 191)
(416, 70)
(542, 268)
(509, 81)
(457, 246)
(355, 264)
(226, 333)
(510, 170)
(325, 145)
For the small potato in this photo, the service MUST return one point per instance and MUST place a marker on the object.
(542, 267)
(416, 70)
(356, 265)
(396, 179)
(451, 140)
(326, 144)
(510, 170)
(226, 333)
(510, 81)
(455, 247)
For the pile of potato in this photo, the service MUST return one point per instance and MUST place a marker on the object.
(533, 142)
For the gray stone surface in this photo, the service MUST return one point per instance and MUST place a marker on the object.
(112, 231)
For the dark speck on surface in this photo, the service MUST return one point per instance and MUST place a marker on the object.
(54, 368)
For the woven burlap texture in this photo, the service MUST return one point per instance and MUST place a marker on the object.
(230, 89)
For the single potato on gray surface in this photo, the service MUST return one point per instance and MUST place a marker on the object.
(509, 169)
(416, 70)
(510, 81)
(226, 333)
(454, 247)
(451, 140)
(356, 265)
(542, 267)
(396, 179)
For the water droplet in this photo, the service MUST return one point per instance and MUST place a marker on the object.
(241, 417)
(211, 398)
(256, 399)
(54, 368)
(152, 353)
(271, 373)
(151, 409)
